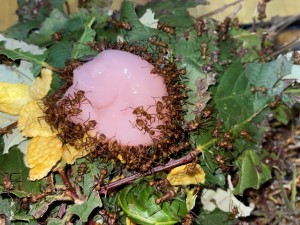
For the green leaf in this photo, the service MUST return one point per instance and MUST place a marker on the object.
(138, 203)
(81, 48)
(21, 30)
(5, 207)
(139, 31)
(84, 210)
(38, 61)
(236, 104)
(54, 23)
(252, 172)
(55, 221)
(59, 53)
(216, 217)
(12, 166)
(172, 13)
(245, 41)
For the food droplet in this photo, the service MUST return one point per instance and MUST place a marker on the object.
(115, 83)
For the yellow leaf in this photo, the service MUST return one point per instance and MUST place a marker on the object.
(31, 121)
(70, 153)
(191, 196)
(13, 97)
(43, 154)
(129, 221)
(181, 176)
(41, 85)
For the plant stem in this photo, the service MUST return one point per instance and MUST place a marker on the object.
(170, 165)
(283, 192)
(70, 191)
(294, 187)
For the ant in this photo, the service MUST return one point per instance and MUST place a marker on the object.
(165, 28)
(99, 180)
(119, 24)
(109, 217)
(188, 219)
(204, 49)
(82, 169)
(168, 196)
(139, 112)
(245, 134)
(143, 126)
(158, 43)
(57, 36)
(200, 26)
(261, 89)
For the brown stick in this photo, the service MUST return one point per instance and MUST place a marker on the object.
(170, 165)
(221, 9)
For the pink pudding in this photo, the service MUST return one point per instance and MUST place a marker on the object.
(115, 83)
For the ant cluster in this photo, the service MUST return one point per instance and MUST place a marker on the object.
(173, 136)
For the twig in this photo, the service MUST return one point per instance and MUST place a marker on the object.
(70, 191)
(286, 47)
(170, 165)
(221, 9)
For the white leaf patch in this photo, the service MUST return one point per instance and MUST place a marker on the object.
(12, 139)
(295, 72)
(6, 119)
(225, 201)
(148, 19)
(21, 74)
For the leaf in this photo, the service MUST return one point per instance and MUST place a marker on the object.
(56, 21)
(180, 176)
(21, 30)
(81, 48)
(84, 210)
(237, 106)
(12, 139)
(191, 197)
(138, 203)
(252, 172)
(38, 61)
(5, 207)
(38, 210)
(15, 74)
(196, 79)
(224, 200)
(139, 31)
(216, 217)
(6, 119)
(295, 72)
(55, 221)
(249, 40)
(15, 44)
(59, 53)
(12, 164)
(148, 19)
(172, 13)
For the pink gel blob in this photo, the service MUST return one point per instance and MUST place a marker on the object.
(115, 83)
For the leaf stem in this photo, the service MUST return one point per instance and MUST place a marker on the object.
(48, 66)
(170, 165)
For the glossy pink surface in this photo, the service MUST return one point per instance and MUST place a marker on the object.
(116, 82)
